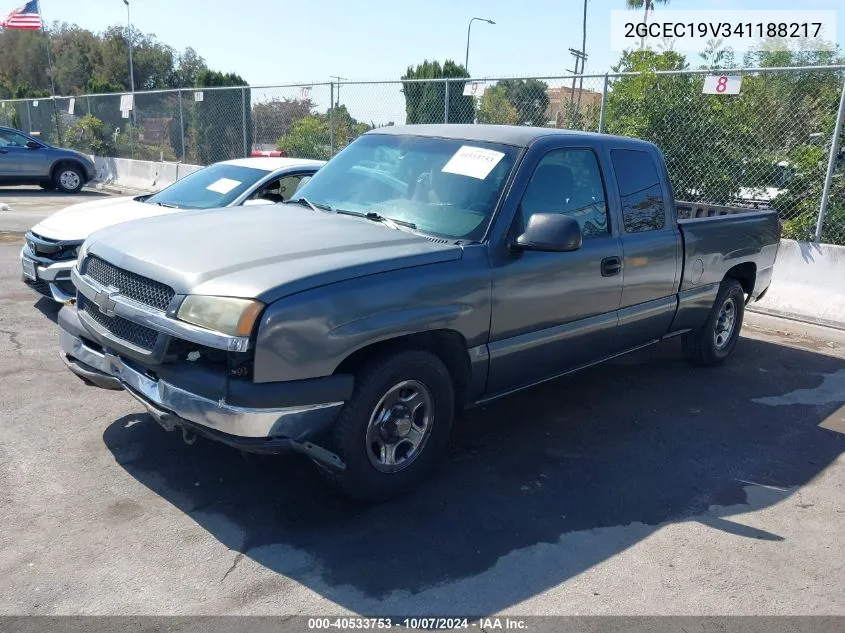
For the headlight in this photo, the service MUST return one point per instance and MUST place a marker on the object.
(229, 315)
(81, 253)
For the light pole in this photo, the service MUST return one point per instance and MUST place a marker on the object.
(469, 28)
(131, 66)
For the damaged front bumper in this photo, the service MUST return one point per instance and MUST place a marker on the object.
(260, 430)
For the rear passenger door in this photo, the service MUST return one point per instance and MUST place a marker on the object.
(651, 245)
(556, 311)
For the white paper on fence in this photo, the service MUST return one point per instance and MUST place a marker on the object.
(34, 104)
(124, 114)
(198, 96)
(70, 105)
(474, 88)
(475, 162)
(722, 84)
(223, 185)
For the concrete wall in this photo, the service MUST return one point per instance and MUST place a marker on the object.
(143, 175)
(808, 284)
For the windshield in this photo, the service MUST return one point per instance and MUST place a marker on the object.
(215, 186)
(445, 187)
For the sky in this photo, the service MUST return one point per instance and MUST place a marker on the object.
(279, 41)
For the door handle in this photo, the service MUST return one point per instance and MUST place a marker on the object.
(611, 266)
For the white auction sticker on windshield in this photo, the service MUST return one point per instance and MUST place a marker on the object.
(224, 185)
(475, 162)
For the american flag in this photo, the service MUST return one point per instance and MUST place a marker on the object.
(26, 17)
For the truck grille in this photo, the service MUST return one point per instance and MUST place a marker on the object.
(137, 335)
(143, 290)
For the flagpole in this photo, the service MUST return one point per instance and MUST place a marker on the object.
(50, 66)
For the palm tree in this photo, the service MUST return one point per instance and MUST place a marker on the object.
(649, 6)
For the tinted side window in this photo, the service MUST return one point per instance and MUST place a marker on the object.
(568, 182)
(640, 189)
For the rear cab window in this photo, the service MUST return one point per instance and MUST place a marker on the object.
(640, 190)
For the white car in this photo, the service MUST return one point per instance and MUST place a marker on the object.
(51, 245)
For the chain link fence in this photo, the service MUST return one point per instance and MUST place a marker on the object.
(772, 146)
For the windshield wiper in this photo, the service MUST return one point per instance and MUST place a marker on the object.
(309, 204)
(168, 206)
(378, 217)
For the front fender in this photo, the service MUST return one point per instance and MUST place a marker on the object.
(309, 334)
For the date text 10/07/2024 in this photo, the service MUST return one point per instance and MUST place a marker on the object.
(425, 623)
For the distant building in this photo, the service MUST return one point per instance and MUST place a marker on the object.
(155, 131)
(585, 101)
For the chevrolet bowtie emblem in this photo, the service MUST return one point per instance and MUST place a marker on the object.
(105, 301)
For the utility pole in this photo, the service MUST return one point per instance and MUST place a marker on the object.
(338, 78)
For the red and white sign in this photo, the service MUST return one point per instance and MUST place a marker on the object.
(722, 84)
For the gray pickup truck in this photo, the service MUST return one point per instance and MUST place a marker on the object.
(424, 269)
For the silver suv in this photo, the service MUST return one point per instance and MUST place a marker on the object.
(25, 160)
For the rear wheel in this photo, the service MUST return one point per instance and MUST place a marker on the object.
(394, 427)
(714, 341)
(68, 178)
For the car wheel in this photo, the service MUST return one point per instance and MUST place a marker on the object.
(713, 342)
(68, 178)
(395, 426)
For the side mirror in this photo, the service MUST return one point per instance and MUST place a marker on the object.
(33, 145)
(550, 232)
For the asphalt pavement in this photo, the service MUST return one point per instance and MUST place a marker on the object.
(21, 208)
(644, 486)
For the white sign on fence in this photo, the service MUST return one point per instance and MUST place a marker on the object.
(71, 105)
(722, 84)
(306, 92)
(34, 104)
(474, 88)
(198, 95)
(124, 114)
(126, 103)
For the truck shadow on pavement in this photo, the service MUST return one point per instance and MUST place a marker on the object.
(632, 445)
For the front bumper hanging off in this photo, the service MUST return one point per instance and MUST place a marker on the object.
(260, 430)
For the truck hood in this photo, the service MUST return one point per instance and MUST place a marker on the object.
(268, 253)
(78, 221)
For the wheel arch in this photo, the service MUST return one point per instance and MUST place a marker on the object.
(448, 345)
(745, 274)
(68, 161)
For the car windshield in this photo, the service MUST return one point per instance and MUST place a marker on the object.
(215, 186)
(445, 187)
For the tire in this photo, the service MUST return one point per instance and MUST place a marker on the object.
(363, 439)
(47, 186)
(714, 341)
(68, 178)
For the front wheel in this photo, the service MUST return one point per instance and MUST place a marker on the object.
(68, 179)
(714, 341)
(394, 427)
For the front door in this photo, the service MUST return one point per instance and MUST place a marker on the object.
(556, 311)
(19, 161)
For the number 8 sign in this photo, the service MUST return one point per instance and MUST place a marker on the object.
(722, 85)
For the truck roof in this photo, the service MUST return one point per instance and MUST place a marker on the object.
(517, 135)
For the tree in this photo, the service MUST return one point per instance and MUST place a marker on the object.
(273, 119)
(311, 136)
(495, 108)
(89, 135)
(425, 101)
(222, 121)
(529, 97)
(190, 65)
(649, 6)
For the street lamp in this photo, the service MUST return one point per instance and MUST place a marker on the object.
(131, 67)
(469, 27)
